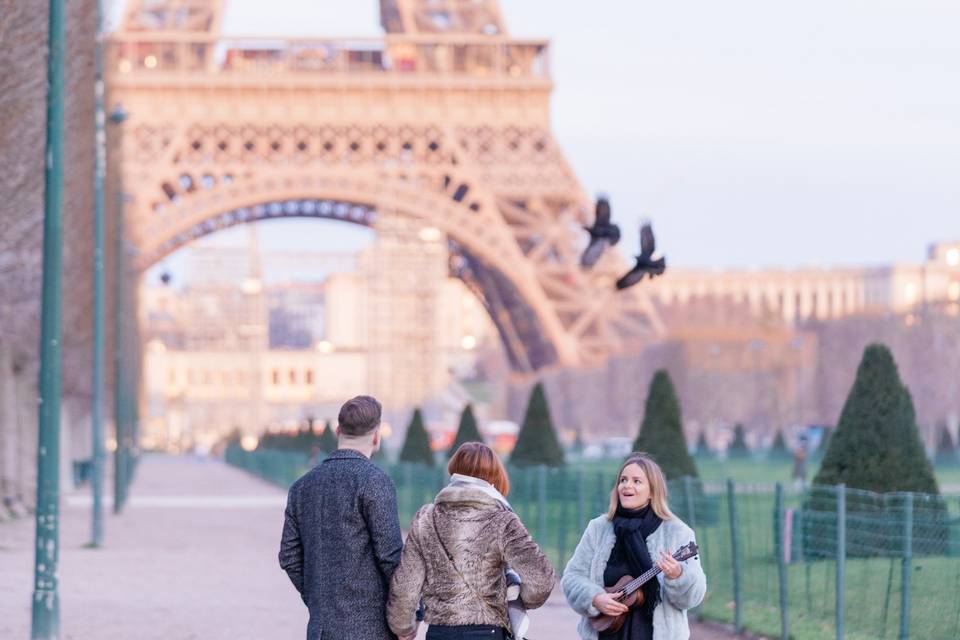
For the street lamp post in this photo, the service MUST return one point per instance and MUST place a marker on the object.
(45, 618)
(96, 413)
(120, 461)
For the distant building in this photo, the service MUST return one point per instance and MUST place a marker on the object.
(799, 295)
(236, 353)
(196, 397)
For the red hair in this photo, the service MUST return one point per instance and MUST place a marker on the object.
(479, 461)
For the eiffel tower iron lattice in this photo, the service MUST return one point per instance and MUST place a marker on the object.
(443, 121)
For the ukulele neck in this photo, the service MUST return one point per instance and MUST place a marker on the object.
(647, 576)
(636, 583)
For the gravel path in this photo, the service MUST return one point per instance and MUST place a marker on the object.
(193, 557)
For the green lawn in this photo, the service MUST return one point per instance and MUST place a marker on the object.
(748, 471)
(949, 479)
(872, 593)
(767, 471)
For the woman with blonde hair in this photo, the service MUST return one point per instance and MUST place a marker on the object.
(457, 552)
(638, 532)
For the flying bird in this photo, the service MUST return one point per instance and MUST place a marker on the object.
(646, 265)
(603, 234)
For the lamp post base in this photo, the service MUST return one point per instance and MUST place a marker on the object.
(46, 615)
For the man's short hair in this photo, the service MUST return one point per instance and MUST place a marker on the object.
(359, 416)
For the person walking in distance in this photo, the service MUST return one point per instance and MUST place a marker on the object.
(341, 535)
(800, 465)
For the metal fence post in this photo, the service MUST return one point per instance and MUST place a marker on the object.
(779, 546)
(542, 504)
(408, 490)
(603, 491)
(735, 557)
(581, 507)
(688, 494)
(906, 567)
(562, 523)
(841, 557)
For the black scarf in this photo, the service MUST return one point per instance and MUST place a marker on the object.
(632, 527)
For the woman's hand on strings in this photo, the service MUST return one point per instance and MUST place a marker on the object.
(670, 567)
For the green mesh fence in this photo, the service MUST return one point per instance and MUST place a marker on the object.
(772, 558)
(281, 468)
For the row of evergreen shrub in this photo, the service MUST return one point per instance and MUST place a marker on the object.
(876, 445)
(306, 440)
(537, 442)
(661, 434)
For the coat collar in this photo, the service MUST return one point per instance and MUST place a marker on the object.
(346, 454)
(465, 494)
(469, 482)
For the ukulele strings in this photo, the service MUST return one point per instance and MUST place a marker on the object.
(634, 584)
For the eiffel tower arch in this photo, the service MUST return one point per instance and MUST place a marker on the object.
(443, 122)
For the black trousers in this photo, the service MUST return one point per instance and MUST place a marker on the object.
(466, 632)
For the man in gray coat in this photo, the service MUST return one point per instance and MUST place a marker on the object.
(341, 536)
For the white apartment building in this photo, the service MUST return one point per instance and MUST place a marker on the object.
(822, 294)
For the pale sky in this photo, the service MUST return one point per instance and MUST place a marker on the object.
(751, 132)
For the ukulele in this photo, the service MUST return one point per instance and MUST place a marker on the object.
(632, 595)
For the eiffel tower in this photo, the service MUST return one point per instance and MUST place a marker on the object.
(442, 123)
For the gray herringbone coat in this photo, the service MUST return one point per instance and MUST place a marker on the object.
(483, 536)
(341, 544)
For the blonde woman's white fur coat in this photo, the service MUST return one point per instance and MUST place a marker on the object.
(583, 578)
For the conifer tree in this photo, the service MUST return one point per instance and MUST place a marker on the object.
(305, 439)
(416, 446)
(235, 437)
(328, 439)
(268, 441)
(738, 448)
(779, 450)
(537, 442)
(946, 453)
(703, 447)
(661, 432)
(876, 445)
(467, 431)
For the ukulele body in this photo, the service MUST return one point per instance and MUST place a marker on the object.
(603, 622)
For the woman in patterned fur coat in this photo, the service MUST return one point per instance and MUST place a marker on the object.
(456, 552)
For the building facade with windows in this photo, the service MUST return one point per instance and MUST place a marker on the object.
(822, 294)
(241, 354)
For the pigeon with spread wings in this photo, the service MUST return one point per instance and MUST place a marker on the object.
(646, 265)
(603, 234)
